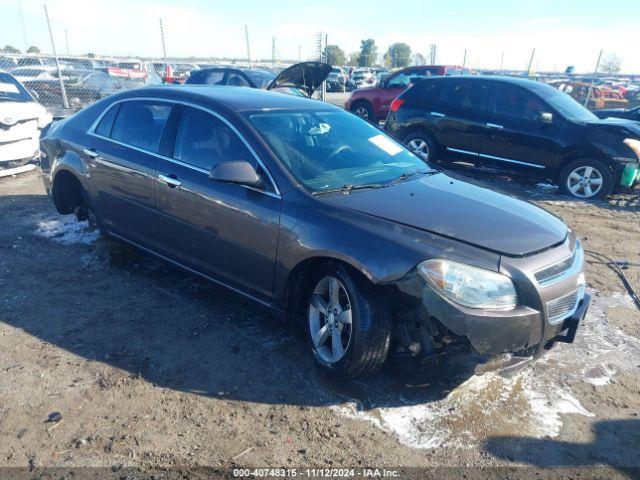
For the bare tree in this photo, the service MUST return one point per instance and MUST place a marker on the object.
(611, 64)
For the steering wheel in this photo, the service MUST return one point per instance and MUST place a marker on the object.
(338, 151)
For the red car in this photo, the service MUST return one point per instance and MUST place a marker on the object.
(373, 103)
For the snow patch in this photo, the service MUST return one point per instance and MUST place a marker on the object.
(531, 402)
(67, 230)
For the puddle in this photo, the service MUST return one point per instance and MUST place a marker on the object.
(67, 231)
(529, 402)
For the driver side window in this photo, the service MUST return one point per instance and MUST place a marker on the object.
(401, 80)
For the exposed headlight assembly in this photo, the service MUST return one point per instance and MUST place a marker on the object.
(469, 286)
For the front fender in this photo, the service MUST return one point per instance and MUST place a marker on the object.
(381, 250)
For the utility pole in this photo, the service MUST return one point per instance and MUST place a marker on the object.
(246, 39)
(66, 39)
(502, 62)
(464, 61)
(533, 53)
(164, 51)
(320, 59)
(63, 91)
(24, 30)
(432, 54)
(319, 46)
(593, 79)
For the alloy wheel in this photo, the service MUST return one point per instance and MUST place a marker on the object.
(585, 182)
(362, 112)
(419, 147)
(330, 319)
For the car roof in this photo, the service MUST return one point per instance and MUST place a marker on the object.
(237, 98)
(523, 82)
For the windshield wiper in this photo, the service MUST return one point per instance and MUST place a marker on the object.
(404, 176)
(350, 188)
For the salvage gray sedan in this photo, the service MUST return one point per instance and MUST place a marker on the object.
(318, 215)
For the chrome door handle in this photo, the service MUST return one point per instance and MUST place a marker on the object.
(436, 114)
(172, 182)
(90, 153)
(494, 125)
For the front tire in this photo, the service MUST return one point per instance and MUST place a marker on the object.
(348, 323)
(586, 179)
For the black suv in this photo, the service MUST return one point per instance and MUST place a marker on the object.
(520, 126)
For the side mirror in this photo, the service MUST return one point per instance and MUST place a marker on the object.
(34, 94)
(240, 172)
(546, 117)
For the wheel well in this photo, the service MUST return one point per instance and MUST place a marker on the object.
(414, 129)
(299, 281)
(66, 192)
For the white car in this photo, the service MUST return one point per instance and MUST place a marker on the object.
(29, 73)
(21, 120)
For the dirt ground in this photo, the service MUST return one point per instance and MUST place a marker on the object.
(144, 365)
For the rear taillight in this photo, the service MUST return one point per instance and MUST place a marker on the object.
(396, 104)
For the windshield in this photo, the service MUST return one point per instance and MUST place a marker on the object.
(325, 150)
(260, 78)
(10, 89)
(565, 105)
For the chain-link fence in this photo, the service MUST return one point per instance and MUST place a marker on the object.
(72, 83)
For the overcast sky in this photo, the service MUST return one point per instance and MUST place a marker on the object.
(564, 32)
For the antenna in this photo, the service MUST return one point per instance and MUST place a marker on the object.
(24, 29)
(63, 91)
(531, 62)
(273, 51)
(164, 51)
(246, 38)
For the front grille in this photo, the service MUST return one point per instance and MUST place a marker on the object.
(561, 307)
(555, 270)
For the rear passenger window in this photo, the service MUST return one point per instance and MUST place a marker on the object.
(106, 123)
(215, 78)
(237, 81)
(467, 95)
(207, 77)
(423, 92)
(203, 140)
(140, 124)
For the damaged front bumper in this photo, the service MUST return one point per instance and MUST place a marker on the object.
(552, 301)
(495, 332)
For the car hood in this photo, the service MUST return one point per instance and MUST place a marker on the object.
(462, 211)
(13, 112)
(618, 125)
(307, 76)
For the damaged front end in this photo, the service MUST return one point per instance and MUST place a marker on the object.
(429, 324)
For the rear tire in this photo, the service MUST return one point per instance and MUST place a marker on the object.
(586, 179)
(348, 322)
(422, 145)
(363, 109)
